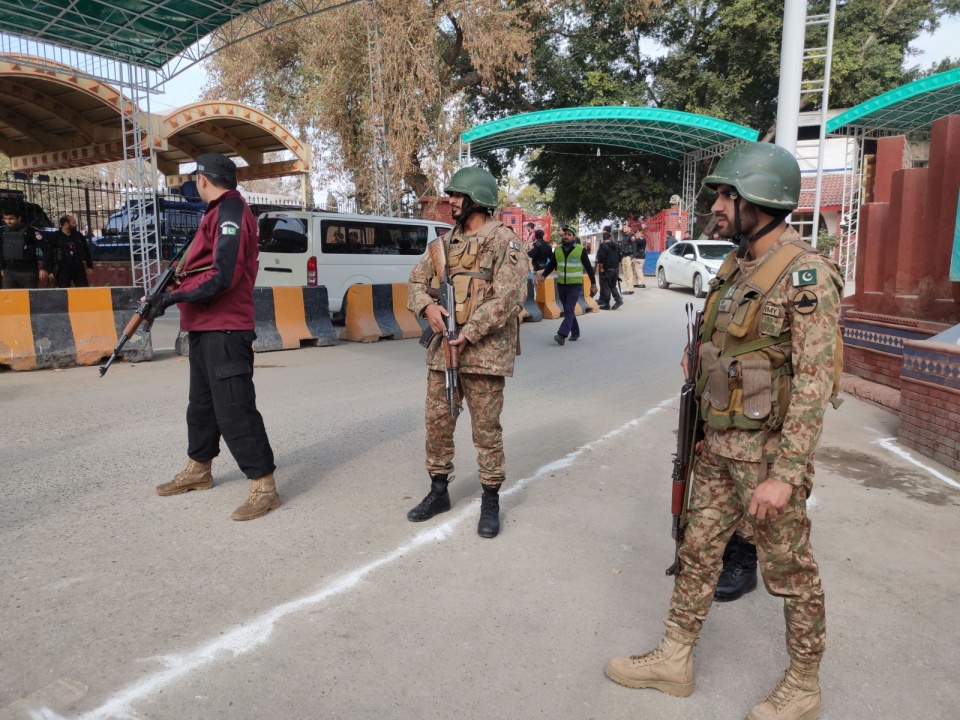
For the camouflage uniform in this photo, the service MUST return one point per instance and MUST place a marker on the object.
(727, 470)
(492, 332)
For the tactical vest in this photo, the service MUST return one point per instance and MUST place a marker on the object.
(569, 268)
(15, 245)
(745, 350)
(470, 269)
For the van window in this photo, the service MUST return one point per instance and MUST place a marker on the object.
(352, 238)
(357, 238)
(283, 235)
(404, 239)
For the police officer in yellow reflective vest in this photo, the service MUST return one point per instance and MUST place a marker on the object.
(571, 261)
(769, 362)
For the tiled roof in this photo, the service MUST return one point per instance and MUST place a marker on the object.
(831, 190)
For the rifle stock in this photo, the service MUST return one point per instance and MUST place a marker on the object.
(689, 433)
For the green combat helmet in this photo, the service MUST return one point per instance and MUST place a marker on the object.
(477, 184)
(764, 174)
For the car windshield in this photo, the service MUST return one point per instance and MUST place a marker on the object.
(715, 251)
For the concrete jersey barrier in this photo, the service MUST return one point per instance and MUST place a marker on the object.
(372, 312)
(68, 327)
(286, 318)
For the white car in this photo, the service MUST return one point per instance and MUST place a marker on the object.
(692, 263)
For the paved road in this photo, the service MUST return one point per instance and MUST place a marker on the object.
(116, 603)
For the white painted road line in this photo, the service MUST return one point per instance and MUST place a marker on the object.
(891, 445)
(256, 632)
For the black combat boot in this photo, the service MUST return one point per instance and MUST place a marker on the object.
(436, 501)
(489, 525)
(739, 575)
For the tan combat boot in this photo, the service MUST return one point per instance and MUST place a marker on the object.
(668, 669)
(796, 697)
(262, 499)
(195, 476)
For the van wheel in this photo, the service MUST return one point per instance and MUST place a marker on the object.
(662, 279)
(698, 286)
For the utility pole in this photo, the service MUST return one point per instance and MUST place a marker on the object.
(791, 74)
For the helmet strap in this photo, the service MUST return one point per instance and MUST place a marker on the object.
(468, 208)
(743, 241)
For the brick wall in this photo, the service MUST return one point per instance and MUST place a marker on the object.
(878, 367)
(930, 401)
(110, 274)
(873, 344)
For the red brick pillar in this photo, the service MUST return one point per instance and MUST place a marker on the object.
(909, 264)
(944, 186)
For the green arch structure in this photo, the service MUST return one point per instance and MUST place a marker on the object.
(910, 107)
(670, 133)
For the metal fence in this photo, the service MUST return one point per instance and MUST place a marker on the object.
(104, 211)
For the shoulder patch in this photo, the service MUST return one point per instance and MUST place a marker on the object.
(514, 245)
(229, 228)
(805, 301)
(805, 277)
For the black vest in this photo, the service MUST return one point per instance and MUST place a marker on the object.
(20, 249)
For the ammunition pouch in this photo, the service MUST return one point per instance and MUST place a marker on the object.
(750, 390)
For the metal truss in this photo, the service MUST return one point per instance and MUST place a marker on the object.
(690, 189)
(41, 55)
(253, 22)
(141, 184)
(820, 86)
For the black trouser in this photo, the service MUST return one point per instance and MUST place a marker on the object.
(224, 402)
(76, 274)
(17, 279)
(608, 286)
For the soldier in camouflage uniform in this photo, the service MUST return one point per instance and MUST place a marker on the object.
(488, 269)
(767, 371)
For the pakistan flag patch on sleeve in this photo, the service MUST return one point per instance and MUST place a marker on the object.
(804, 277)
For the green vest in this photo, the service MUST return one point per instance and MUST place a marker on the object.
(569, 269)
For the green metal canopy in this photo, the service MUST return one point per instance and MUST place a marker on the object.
(670, 133)
(149, 33)
(142, 32)
(913, 106)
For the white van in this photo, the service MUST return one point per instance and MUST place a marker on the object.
(337, 251)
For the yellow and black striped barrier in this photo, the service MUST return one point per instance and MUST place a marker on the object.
(69, 327)
(286, 318)
(372, 312)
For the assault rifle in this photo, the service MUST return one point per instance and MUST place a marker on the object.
(689, 434)
(143, 316)
(445, 296)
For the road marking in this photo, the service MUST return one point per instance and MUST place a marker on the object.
(256, 632)
(890, 444)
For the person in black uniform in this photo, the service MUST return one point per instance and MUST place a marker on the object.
(68, 254)
(21, 251)
(540, 253)
(608, 267)
(215, 296)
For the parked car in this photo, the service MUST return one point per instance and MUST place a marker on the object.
(32, 214)
(179, 220)
(692, 264)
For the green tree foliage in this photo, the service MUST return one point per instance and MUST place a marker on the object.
(722, 58)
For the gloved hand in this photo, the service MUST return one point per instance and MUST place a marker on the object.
(158, 303)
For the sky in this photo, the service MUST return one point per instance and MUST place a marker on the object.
(185, 88)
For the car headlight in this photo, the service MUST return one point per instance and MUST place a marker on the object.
(712, 271)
